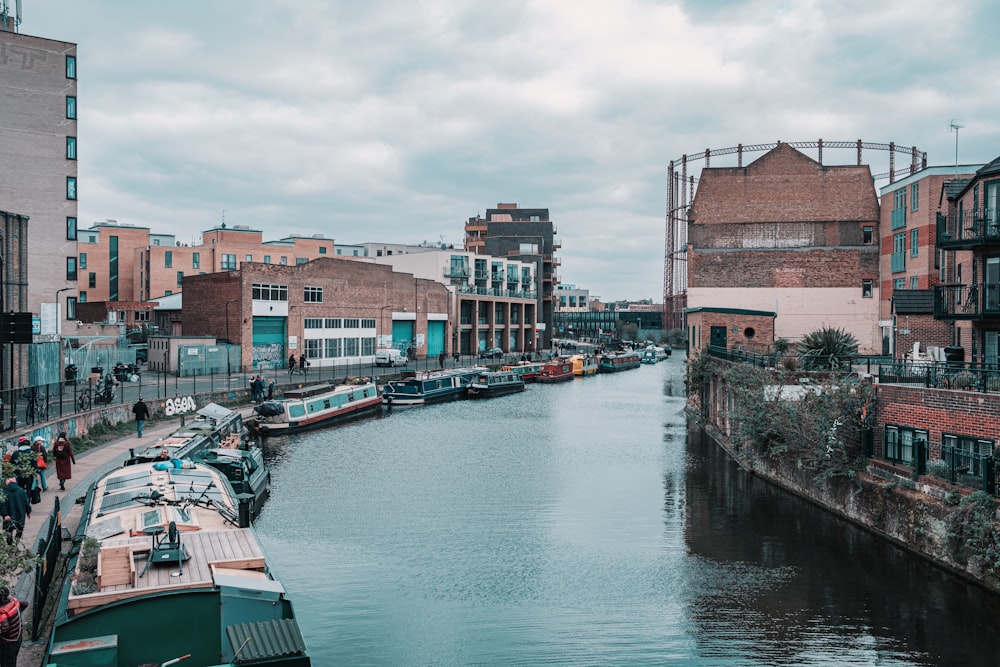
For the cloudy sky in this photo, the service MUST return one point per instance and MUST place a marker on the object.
(396, 120)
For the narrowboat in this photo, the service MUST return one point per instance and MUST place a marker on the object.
(584, 365)
(167, 569)
(654, 355)
(314, 406)
(620, 361)
(528, 370)
(218, 438)
(557, 370)
(489, 384)
(430, 387)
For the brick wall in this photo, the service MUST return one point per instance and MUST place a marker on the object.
(937, 410)
(818, 267)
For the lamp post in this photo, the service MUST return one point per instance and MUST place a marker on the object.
(381, 318)
(229, 363)
(58, 292)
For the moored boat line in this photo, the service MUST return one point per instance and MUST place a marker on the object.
(619, 361)
(430, 387)
(556, 370)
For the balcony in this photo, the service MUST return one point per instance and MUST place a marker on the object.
(975, 301)
(456, 272)
(969, 230)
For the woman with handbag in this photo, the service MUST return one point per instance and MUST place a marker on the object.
(62, 451)
(41, 460)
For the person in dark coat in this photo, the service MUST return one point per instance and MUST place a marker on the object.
(291, 363)
(11, 627)
(141, 412)
(62, 452)
(15, 509)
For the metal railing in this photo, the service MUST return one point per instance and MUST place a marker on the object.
(957, 375)
(967, 301)
(976, 471)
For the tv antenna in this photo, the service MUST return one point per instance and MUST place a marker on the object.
(955, 126)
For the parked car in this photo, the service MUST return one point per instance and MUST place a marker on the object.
(491, 353)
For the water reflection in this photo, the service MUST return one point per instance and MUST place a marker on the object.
(581, 524)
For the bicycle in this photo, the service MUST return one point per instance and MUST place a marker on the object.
(37, 406)
(84, 400)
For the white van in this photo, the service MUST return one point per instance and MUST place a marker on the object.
(390, 357)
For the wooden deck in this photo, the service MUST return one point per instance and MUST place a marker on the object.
(123, 560)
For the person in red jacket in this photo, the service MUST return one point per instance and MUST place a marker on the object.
(11, 626)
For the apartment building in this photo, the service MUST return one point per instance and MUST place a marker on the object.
(335, 311)
(125, 262)
(911, 266)
(790, 236)
(524, 234)
(494, 303)
(38, 164)
(969, 240)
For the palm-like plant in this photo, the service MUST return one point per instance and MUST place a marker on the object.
(827, 348)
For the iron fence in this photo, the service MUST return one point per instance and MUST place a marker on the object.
(48, 548)
(976, 471)
(942, 374)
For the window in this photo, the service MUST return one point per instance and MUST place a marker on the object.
(367, 347)
(71, 308)
(914, 242)
(71, 229)
(969, 453)
(83, 260)
(167, 292)
(867, 287)
(168, 259)
(313, 348)
(332, 347)
(332, 323)
(899, 209)
(70, 148)
(83, 297)
(92, 280)
(156, 241)
(70, 67)
(898, 259)
(914, 282)
(283, 261)
(249, 258)
(71, 268)
(900, 442)
(142, 315)
(322, 250)
(267, 292)
(313, 323)
(267, 259)
(351, 323)
(196, 260)
(914, 191)
(70, 107)
(313, 295)
(180, 279)
(350, 347)
(368, 323)
(71, 187)
(229, 262)
(899, 284)
(301, 260)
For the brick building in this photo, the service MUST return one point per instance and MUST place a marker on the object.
(332, 310)
(910, 264)
(527, 235)
(969, 241)
(786, 234)
(38, 166)
(125, 262)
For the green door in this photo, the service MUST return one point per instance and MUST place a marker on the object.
(269, 336)
(402, 334)
(435, 338)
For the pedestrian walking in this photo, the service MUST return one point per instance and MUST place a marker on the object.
(41, 460)
(291, 363)
(15, 510)
(11, 627)
(270, 389)
(257, 389)
(62, 452)
(441, 360)
(141, 412)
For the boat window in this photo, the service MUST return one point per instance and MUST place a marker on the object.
(296, 411)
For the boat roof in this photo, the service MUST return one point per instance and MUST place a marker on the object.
(325, 388)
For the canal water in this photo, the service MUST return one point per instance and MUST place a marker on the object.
(581, 524)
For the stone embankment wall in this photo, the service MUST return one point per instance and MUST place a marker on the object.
(914, 516)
